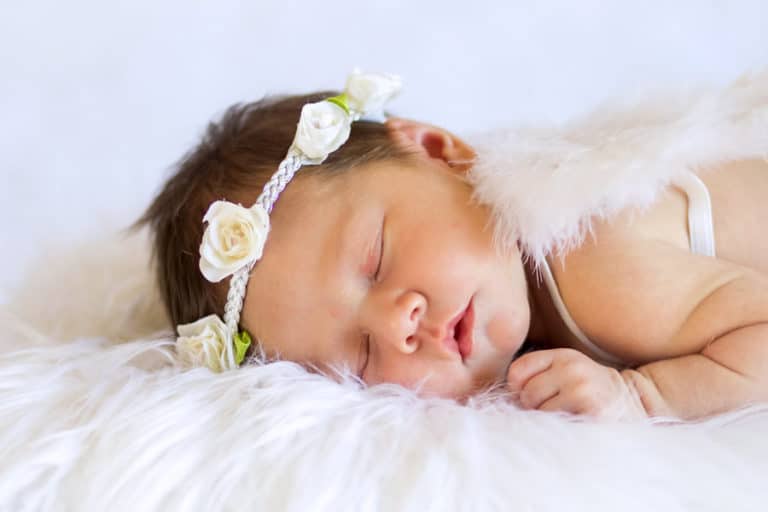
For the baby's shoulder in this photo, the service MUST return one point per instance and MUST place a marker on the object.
(634, 286)
(633, 295)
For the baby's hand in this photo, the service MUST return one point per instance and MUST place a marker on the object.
(564, 379)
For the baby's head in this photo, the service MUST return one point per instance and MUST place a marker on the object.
(377, 259)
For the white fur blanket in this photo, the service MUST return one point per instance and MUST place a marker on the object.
(95, 415)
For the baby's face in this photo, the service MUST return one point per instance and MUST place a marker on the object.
(391, 271)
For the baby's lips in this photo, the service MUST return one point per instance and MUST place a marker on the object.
(466, 335)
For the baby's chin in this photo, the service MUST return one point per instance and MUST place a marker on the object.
(493, 378)
(490, 378)
(462, 396)
(454, 384)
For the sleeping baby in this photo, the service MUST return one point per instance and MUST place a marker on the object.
(354, 241)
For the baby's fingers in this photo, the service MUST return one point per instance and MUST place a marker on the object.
(525, 367)
(541, 388)
(560, 403)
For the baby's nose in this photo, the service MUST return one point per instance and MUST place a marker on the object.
(402, 323)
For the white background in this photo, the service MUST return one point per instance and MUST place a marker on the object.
(99, 99)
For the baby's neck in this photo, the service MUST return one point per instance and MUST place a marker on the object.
(537, 297)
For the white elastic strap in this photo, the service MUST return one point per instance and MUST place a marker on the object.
(701, 231)
(549, 280)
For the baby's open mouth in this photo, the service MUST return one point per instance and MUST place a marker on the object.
(463, 331)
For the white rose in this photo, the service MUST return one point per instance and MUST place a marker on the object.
(235, 236)
(368, 92)
(205, 343)
(322, 128)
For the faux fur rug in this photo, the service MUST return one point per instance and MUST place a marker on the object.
(95, 415)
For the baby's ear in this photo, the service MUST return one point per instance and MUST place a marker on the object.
(432, 142)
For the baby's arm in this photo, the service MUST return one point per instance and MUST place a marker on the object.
(649, 297)
(730, 372)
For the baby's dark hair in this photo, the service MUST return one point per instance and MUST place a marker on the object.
(235, 158)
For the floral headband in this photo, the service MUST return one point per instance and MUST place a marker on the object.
(235, 236)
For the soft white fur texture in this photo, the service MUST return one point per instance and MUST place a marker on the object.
(95, 414)
(546, 183)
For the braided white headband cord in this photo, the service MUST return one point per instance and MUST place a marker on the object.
(237, 285)
(235, 236)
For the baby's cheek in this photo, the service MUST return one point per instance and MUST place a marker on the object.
(506, 330)
(335, 311)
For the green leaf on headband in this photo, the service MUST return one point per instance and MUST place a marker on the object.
(242, 342)
(340, 100)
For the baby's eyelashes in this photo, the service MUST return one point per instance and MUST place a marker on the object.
(379, 257)
(364, 355)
